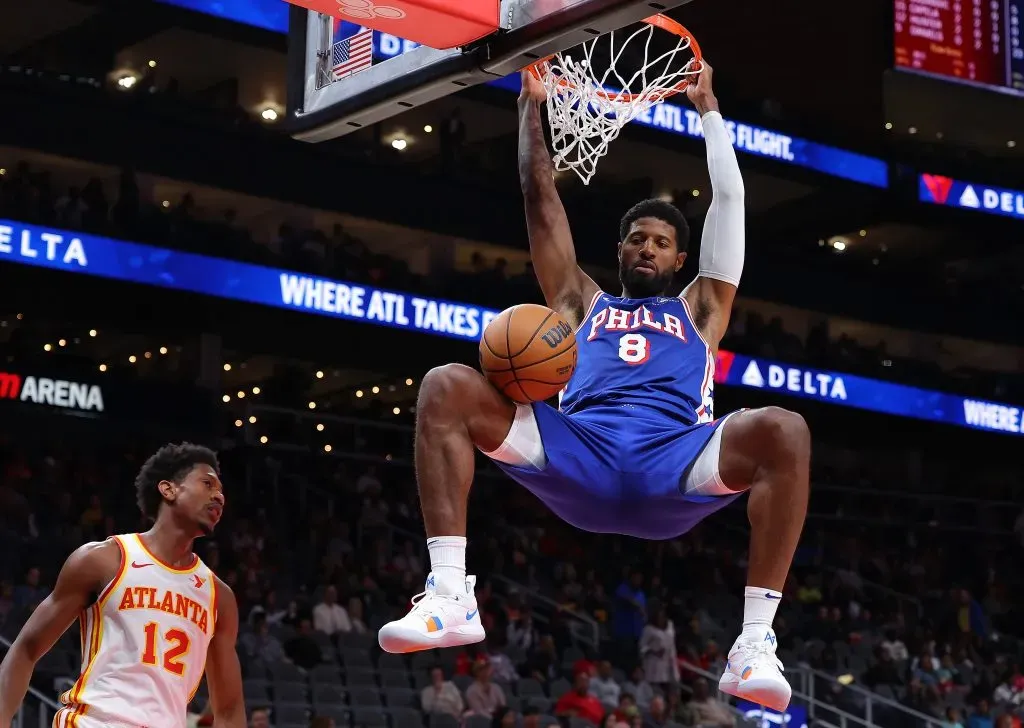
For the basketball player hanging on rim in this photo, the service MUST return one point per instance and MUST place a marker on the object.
(634, 447)
(152, 615)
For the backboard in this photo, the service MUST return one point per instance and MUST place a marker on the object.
(334, 90)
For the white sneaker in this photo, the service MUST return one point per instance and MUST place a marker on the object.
(436, 620)
(754, 673)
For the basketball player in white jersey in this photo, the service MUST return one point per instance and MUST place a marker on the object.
(152, 614)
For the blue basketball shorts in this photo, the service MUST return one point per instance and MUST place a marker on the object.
(617, 469)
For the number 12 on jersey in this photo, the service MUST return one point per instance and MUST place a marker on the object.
(174, 645)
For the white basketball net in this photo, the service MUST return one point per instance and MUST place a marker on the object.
(586, 111)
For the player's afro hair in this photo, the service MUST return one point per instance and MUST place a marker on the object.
(173, 463)
(660, 210)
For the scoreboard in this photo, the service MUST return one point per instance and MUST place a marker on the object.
(976, 41)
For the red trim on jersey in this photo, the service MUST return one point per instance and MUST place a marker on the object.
(590, 310)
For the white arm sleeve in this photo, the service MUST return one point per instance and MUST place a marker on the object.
(724, 239)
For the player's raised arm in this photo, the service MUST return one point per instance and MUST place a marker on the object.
(722, 244)
(567, 289)
(223, 673)
(82, 577)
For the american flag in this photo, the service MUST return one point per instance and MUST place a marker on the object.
(353, 48)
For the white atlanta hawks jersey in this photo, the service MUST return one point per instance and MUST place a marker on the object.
(144, 644)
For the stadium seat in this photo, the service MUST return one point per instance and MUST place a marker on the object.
(513, 701)
(329, 694)
(405, 718)
(254, 669)
(528, 686)
(388, 661)
(369, 717)
(394, 678)
(256, 691)
(575, 722)
(571, 656)
(291, 692)
(558, 688)
(423, 660)
(401, 697)
(286, 672)
(291, 713)
(341, 715)
(355, 658)
(462, 682)
(361, 677)
(543, 705)
(477, 721)
(420, 680)
(357, 640)
(443, 720)
(366, 697)
(329, 674)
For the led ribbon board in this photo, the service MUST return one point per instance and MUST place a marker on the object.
(233, 280)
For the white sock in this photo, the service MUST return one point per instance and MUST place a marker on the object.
(448, 563)
(759, 606)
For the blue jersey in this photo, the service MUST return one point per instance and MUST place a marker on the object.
(646, 355)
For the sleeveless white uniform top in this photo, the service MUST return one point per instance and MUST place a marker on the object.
(144, 644)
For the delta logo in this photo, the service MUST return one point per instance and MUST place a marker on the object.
(48, 392)
(938, 187)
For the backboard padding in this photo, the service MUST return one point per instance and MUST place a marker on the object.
(532, 29)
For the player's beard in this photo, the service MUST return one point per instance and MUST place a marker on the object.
(639, 285)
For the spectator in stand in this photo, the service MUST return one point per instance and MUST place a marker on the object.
(710, 713)
(579, 703)
(639, 688)
(330, 617)
(658, 716)
(504, 717)
(302, 649)
(627, 710)
(543, 662)
(982, 716)
(269, 608)
(30, 593)
(484, 697)
(502, 668)
(884, 671)
(532, 719)
(630, 614)
(259, 718)
(355, 615)
(260, 644)
(441, 696)
(521, 633)
(954, 719)
(603, 686)
(894, 646)
(658, 651)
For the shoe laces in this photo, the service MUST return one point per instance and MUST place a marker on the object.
(760, 650)
(422, 602)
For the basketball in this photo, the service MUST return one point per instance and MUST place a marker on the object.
(528, 352)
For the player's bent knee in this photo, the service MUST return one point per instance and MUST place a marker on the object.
(455, 392)
(444, 386)
(784, 431)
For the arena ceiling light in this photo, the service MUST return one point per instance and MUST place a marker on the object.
(399, 143)
(269, 115)
(126, 81)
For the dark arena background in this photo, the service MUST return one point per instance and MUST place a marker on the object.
(174, 265)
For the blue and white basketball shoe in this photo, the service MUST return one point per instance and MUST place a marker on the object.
(754, 673)
(435, 620)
